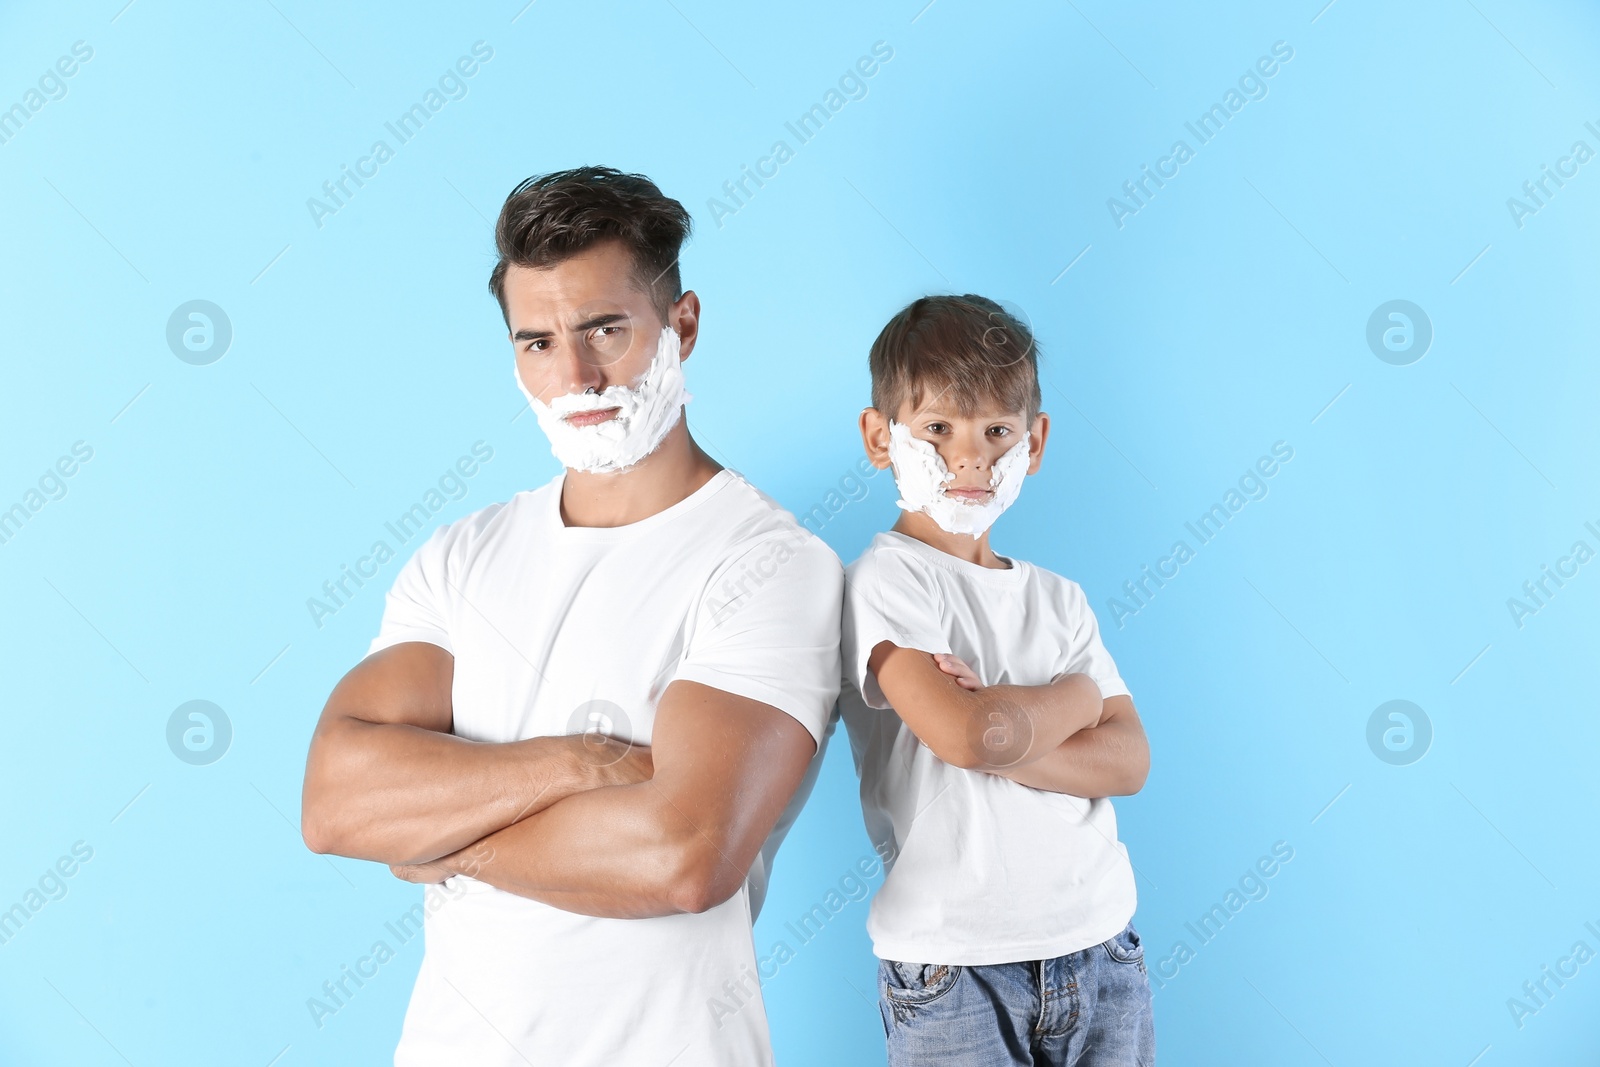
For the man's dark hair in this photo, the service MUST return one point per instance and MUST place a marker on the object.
(550, 217)
(968, 348)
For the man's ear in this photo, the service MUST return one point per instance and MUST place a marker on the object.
(875, 437)
(684, 317)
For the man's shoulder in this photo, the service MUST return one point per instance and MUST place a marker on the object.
(467, 536)
(751, 520)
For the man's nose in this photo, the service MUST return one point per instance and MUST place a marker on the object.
(576, 372)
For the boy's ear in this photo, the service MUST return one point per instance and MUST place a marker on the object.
(875, 437)
(1037, 433)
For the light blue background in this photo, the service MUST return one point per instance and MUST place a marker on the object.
(1228, 314)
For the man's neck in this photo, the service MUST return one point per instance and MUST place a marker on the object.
(962, 546)
(671, 473)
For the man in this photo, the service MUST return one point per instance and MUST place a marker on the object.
(495, 734)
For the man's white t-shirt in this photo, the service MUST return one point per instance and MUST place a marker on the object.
(985, 870)
(551, 626)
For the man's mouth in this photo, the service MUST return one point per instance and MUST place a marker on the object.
(591, 418)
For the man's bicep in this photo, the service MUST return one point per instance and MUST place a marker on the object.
(406, 677)
(728, 764)
(407, 683)
(356, 769)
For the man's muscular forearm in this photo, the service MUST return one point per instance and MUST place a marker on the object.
(388, 780)
(723, 767)
(625, 853)
(401, 794)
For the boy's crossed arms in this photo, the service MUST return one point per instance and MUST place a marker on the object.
(1060, 737)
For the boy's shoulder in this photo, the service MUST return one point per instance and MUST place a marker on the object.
(893, 557)
(882, 542)
(1058, 589)
(890, 555)
(1046, 576)
(891, 548)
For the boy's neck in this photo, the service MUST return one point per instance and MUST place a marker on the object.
(962, 546)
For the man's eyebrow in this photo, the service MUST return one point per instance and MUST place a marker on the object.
(605, 319)
(587, 324)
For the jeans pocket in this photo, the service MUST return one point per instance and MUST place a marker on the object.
(916, 983)
(1125, 947)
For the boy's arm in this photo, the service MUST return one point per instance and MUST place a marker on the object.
(1108, 760)
(1111, 758)
(1011, 726)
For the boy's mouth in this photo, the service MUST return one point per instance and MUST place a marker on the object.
(970, 494)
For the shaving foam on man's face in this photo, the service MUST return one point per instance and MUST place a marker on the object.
(922, 478)
(646, 410)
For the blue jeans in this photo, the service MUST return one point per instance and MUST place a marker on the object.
(1086, 1009)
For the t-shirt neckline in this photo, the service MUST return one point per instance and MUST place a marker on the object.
(961, 566)
(559, 528)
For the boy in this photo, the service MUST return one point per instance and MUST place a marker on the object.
(988, 726)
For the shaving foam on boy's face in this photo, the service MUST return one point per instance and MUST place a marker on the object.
(922, 478)
(646, 410)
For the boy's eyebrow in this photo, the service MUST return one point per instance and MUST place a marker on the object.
(940, 413)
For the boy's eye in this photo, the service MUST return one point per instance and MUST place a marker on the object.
(999, 431)
(937, 427)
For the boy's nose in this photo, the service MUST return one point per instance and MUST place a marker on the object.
(966, 459)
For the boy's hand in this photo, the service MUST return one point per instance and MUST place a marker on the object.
(957, 668)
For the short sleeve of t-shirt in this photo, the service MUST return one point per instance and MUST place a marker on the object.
(890, 597)
(417, 605)
(1089, 652)
(776, 639)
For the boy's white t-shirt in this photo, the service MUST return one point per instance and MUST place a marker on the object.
(985, 870)
(550, 625)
